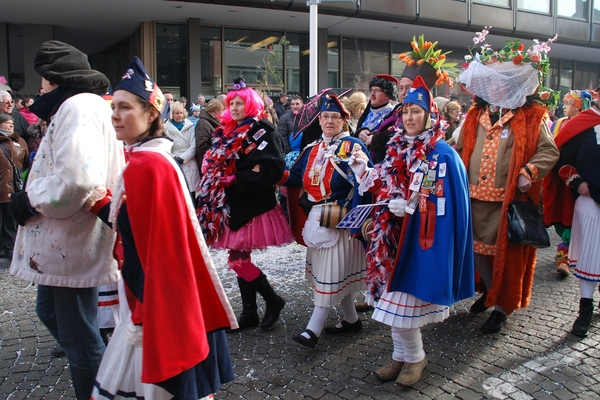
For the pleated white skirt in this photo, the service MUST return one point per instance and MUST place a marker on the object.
(336, 271)
(403, 310)
(119, 376)
(584, 249)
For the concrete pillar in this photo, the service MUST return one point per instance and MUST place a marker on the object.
(148, 46)
(194, 60)
(322, 52)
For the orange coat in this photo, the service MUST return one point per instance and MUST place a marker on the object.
(513, 265)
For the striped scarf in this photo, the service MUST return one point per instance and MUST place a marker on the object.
(220, 159)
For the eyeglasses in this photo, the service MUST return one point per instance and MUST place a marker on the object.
(376, 90)
(334, 117)
(7, 102)
(569, 102)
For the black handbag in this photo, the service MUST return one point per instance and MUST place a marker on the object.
(17, 177)
(525, 224)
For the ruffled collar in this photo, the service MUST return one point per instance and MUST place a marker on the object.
(163, 143)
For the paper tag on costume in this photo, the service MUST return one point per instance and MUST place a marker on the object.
(441, 206)
(439, 188)
(431, 175)
(412, 203)
(442, 170)
(250, 147)
(415, 166)
(259, 134)
(263, 145)
(417, 179)
(432, 164)
(504, 133)
(423, 167)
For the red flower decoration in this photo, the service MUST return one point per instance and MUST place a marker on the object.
(518, 59)
(521, 47)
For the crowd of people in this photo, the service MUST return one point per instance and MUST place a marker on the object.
(133, 189)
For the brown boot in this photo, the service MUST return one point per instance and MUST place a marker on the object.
(390, 372)
(411, 372)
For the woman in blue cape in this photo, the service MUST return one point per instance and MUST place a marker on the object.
(420, 259)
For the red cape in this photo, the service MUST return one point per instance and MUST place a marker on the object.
(181, 303)
(558, 201)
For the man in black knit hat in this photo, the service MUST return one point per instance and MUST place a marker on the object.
(384, 92)
(60, 245)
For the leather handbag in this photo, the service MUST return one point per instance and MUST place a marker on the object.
(525, 224)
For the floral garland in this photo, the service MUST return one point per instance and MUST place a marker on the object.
(513, 51)
(220, 160)
(394, 174)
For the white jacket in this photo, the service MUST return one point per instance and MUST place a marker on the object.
(184, 146)
(64, 245)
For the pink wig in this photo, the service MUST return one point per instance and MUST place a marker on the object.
(255, 107)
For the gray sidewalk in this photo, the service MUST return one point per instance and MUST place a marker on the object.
(534, 357)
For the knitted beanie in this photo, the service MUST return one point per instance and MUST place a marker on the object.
(387, 83)
(64, 65)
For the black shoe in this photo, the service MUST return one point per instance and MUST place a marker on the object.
(363, 306)
(346, 327)
(479, 306)
(312, 342)
(495, 322)
(57, 352)
(584, 320)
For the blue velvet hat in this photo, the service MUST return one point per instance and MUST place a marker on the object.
(137, 81)
(332, 103)
(420, 95)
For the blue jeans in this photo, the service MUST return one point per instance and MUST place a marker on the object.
(71, 316)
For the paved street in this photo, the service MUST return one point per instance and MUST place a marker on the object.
(534, 357)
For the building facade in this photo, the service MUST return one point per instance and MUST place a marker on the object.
(199, 46)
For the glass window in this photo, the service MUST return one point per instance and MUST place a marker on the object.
(297, 64)
(566, 77)
(247, 52)
(211, 65)
(363, 58)
(171, 58)
(572, 8)
(333, 61)
(541, 6)
(500, 3)
(586, 76)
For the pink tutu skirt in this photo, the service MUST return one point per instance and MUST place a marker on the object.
(267, 229)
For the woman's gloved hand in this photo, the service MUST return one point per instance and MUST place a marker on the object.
(358, 163)
(227, 181)
(397, 207)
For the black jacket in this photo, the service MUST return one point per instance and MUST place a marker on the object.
(254, 192)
